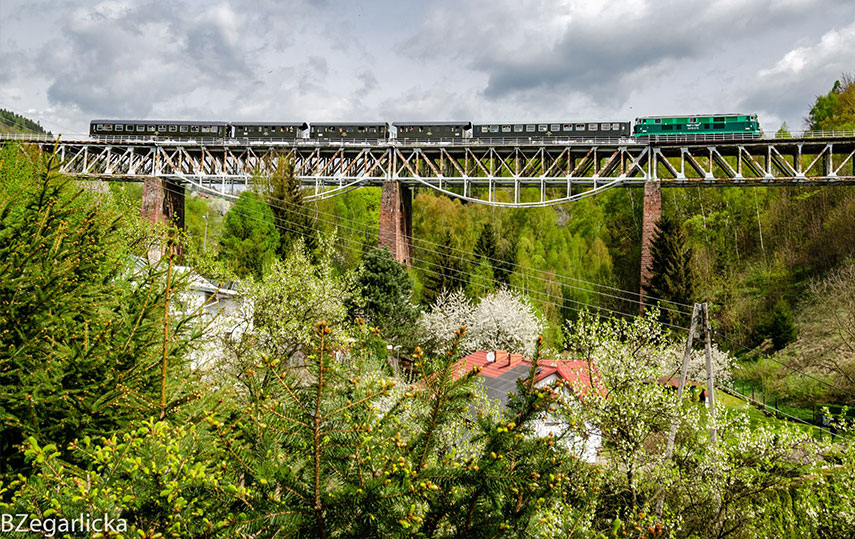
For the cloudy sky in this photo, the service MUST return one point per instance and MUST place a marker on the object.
(66, 62)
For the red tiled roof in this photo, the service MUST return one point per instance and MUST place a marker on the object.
(573, 371)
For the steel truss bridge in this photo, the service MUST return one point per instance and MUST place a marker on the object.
(499, 172)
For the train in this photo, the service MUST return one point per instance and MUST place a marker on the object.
(721, 125)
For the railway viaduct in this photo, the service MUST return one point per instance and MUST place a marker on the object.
(497, 172)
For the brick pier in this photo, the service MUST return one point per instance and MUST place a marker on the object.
(396, 221)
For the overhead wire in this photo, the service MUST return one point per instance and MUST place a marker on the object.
(644, 300)
(553, 300)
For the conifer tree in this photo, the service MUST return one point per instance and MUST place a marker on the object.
(284, 195)
(446, 271)
(83, 347)
(672, 269)
(382, 295)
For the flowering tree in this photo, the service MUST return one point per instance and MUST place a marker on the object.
(502, 320)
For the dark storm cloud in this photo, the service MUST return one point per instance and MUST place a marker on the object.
(122, 59)
(598, 50)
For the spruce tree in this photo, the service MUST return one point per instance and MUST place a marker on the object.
(446, 270)
(672, 280)
(284, 195)
(83, 347)
(382, 295)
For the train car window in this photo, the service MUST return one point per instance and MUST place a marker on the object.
(194, 128)
(373, 129)
(542, 128)
(506, 129)
(183, 128)
(580, 127)
(605, 127)
(568, 127)
(173, 128)
(518, 128)
(150, 128)
(140, 128)
(494, 129)
(530, 128)
(693, 120)
(615, 127)
(677, 127)
(161, 127)
(118, 127)
(484, 128)
(592, 127)
(555, 127)
(108, 127)
(657, 120)
(99, 127)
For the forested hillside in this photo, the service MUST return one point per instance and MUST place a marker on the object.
(11, 122)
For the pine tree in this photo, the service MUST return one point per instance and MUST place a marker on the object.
(672, 270)
(284, 195)
(446, 271)
(382, 295)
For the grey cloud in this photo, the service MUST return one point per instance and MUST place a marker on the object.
(602, 56)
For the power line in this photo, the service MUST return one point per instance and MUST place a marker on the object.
(558, 303)
(360, 227)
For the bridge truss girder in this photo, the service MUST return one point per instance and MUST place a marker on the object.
(501, 175)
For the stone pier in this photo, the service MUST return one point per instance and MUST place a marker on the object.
(396, 221)
(651, 216)
(163, 202)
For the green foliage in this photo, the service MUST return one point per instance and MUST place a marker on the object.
(163, 480)
(382, 293)
(836, 109)
(82, 335)
(447, 270)
(284, 194)
(11, 122)
(672, 280)
(779, 326)
(250, 237)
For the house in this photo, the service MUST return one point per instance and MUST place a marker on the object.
(500, 371)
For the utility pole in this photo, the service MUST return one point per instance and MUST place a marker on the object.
(205, 241)
(684, 371)
(710, 374)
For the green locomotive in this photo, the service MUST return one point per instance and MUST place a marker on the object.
(702, 124)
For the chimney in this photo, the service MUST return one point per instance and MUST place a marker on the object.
(500, 355)
(514, 359)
